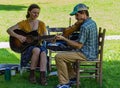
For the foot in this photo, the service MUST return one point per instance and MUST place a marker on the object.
(43, 79)
(44, 83)
(32, 77)
(73, 81)
(32, 80)
(63, 86)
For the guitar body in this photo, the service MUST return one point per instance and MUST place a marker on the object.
(19, 47)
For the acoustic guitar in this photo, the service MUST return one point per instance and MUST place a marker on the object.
(32, 39)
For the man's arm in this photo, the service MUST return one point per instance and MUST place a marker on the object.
(74, 44)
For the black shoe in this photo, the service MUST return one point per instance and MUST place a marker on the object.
(73, 81)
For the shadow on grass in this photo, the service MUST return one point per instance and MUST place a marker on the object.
(12, 7)
(6, 56)
(110, 79)
(19, 81)
(111, 76)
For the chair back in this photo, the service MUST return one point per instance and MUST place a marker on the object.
(55, 30)
(101, 38)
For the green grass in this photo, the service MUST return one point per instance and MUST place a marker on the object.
(8, 56)
(111, 65)
(19, 81)
(56, 13)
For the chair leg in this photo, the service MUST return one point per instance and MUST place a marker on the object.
(100, 76)
(48, 64)
(78, 73)
(22, 70)
(100, 80)
(50, 61)
(97, 72)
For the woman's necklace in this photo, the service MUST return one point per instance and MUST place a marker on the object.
(33, 24)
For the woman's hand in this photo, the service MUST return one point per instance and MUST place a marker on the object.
(21, 38)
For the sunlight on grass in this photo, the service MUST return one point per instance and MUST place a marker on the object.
(56, 13)
(112, 50)
(8, 56)
(111, 63)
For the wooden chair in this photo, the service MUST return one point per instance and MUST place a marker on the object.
(92, 69)
(52, 52)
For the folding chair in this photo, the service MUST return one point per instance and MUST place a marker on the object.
(25, 63)
(92, 69)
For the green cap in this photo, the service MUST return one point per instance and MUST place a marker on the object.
(78, 8)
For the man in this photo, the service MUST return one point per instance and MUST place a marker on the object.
(86, 47)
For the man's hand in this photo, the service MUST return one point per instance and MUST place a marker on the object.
(59, 37)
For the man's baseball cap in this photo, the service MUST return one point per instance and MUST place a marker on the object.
(78, 8)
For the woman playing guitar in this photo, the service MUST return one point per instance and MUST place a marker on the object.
(33, 53)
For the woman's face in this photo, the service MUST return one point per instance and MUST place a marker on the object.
(34, 13)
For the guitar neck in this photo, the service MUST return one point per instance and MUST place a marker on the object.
(46, 37)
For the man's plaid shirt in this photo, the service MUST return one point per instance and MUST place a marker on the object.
(89, 38)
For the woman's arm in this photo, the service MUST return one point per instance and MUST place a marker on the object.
(11, 32)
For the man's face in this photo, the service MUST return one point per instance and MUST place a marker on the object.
(80, 16)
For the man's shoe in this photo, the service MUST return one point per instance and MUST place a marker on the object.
(63, 86)
(73, 81)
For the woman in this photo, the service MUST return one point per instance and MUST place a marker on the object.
(33, 52)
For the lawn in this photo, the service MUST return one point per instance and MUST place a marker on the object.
(56, 13)
(111, 74)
